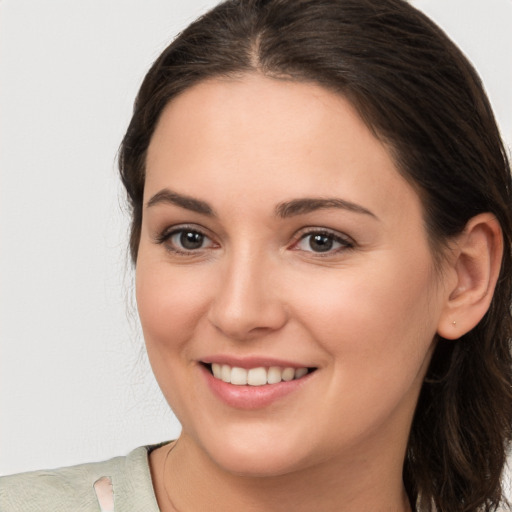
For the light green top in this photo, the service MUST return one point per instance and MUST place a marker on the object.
(72, 489)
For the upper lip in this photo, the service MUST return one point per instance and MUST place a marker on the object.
(252, 362)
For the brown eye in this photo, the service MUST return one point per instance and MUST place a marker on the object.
(185, 240)
(189, 240)
(323, 242)
(320, 243)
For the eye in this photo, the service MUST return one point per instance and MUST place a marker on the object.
(188, 240)
(323, 242)
(185, 240)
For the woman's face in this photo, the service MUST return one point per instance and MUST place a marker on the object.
(277, 233)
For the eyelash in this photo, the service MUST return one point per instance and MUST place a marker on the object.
(164, 237)
(345, 243)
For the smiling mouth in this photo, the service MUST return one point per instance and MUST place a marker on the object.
(259, 376)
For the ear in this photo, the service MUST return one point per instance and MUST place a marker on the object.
(474, 267)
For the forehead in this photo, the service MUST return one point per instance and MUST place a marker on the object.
(270, 138)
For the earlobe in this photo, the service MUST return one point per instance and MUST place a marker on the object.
(475, 267)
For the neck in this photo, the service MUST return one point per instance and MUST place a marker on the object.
(335, 485)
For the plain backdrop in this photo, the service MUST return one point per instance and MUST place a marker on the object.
(74, 382)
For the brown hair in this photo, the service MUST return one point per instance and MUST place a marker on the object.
(419, 94)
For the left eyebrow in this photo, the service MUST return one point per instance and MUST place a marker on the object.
(183, 201)
(308, 205)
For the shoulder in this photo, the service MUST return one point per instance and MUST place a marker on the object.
(72, 488)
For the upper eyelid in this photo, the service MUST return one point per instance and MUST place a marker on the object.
(164, 234)
(346, 243)
(312, 230)
(167, 232)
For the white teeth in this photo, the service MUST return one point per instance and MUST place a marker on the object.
(256, 376)
(239, 376)
(274, 375)
(217, 370)
(288, 374)
(300, 372)
(226, 373)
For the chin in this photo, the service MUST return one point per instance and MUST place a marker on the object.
(256, 465)
(261, 457)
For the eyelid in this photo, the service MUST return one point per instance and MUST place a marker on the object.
(344, 240)
(164, 236)
(168, 231)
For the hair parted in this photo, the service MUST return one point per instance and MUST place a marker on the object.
(420, 96)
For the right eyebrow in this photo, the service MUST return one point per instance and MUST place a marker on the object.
(306, 205)
(167, 196)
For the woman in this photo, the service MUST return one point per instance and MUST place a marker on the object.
(321, 231)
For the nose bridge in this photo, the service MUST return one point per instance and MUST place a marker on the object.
(247, 303)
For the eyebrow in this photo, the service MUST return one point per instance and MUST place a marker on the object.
(284, 210)
(166, 196)
(308, 205)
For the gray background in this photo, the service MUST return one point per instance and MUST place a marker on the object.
(74, 382)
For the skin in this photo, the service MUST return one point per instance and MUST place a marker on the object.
(364, 314)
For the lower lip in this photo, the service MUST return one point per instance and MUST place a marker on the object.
(251, 397)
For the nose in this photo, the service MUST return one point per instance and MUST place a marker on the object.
(247, 302)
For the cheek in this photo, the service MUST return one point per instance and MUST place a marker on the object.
(378, 330)
(377, 320)
(170, 304)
